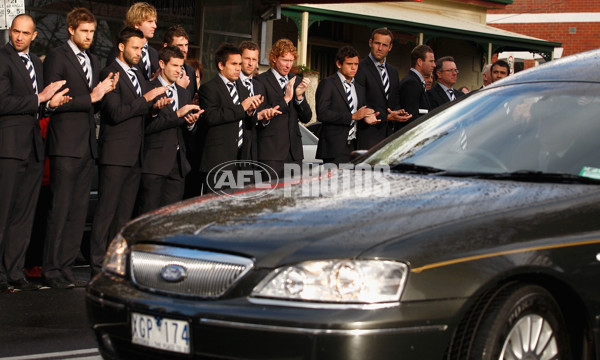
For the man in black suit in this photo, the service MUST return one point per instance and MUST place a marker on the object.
(443, 91)
(279, 139)
(413, 97)
(165, 162)
(141, 16)
(340, 107)
(380, 81)
(250, 55)
(229, 116)
(177, 36)
(72, 146)
(121, 142)
(194, 141)
(21, 147)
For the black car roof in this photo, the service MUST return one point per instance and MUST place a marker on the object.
(578, 67)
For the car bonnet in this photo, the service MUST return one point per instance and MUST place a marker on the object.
(289, 224)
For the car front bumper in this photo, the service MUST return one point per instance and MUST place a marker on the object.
(237, 328)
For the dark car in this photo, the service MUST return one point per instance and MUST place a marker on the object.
(474, 233)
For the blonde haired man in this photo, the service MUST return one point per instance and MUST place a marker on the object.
(279, 139)
(142, 16)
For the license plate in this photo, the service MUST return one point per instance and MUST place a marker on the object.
(160, 333)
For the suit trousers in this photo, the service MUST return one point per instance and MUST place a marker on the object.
(20, 182)
(161, 190)
(70, 182)
(276, 168)
(117, 191)
(344, 158)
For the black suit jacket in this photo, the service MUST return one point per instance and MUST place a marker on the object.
(122, 121)
(333, 111)
(72, 127)
(192, 88)
(412, 97)
(152, 54)
(368, 76)
(222, 118)
(437, 96)
(164, 136)
(282, 135)
(19, 109)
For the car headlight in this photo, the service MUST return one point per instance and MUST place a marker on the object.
(115, 260)
(338, 281)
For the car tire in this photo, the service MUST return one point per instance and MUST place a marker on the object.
(521, 322)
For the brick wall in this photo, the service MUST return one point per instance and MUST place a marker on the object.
(548, 6)
(586, 36)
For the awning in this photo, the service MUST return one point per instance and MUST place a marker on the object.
(413, 20)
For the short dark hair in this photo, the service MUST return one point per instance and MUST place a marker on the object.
(249, 45)
(167, 52)
(127, 33)
(345, 52)
(382, 31)
(223, 52)
(439, 63)
(419, 52)
(174, 31)
(501, 63)
(78, 16)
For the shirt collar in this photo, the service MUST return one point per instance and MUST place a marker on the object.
(164, 82)
(443, 86)
(375, 61)
(225, 80)
(279, 76)
(74, 47)
(124, 66)
(418, 74)
(19, 52)
(343, 79)
(243, 77)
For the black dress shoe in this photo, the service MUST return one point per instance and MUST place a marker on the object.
(74, 282)
(4, 286)
(24, 285)
(58, 283)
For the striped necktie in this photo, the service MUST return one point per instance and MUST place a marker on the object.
(83, 62)
(248, 84)
(283, 82)
(146, 61)
(348, 88)
(171, 94)
(236, 101)
(452, 96)
(384, 79)
(134, 81)
(31, 71)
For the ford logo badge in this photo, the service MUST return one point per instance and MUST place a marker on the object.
(173, 273)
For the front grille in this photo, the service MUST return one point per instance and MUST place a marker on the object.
(206, 274)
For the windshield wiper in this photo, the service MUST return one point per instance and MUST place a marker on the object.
(410, 168)
(529, 176)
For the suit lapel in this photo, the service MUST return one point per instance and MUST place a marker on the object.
(127, 80)
(273, 82)
(242, 90)
(21, 69)
(341, 89)
(376, 74)
(74, 60)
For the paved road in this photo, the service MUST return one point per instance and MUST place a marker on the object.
(46, 324)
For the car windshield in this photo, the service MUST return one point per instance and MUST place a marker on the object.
(524, 128)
